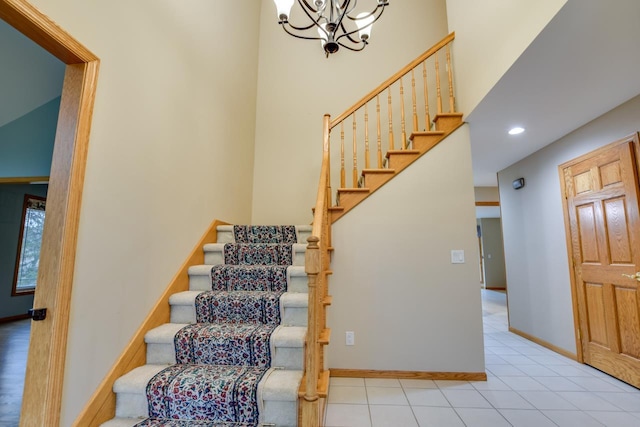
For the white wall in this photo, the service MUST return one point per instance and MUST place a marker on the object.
(393, 282)
(171, 149)
(534, 232)
(297, 85)
(490, 36)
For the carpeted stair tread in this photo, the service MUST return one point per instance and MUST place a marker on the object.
(200, 278)
(156, 422)
(203, 392)
(238, 344)
(249, 278)
(293, 307)
(226, 233)
(164, 333)
(289, 336)
(238, 307)
(135, 381)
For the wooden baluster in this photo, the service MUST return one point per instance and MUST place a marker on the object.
(327, 146)
(402, 123)
(451, 98)
(366, 137)
(342, 171)
(391, 144)
(426, 96)
(439, 96)
(413, 100)
(355, 155)
(378, 129)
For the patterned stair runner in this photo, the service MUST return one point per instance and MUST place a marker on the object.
(221, 358)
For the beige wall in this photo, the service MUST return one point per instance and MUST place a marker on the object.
(297, 85)
(490, 36)
(486, 194)
(534, 232)
(171, 148)
(393, 282)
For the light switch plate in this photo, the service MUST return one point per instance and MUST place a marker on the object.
(457, 256)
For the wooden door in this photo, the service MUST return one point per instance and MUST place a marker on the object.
(601, 191)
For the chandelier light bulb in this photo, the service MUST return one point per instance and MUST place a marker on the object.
(364, 21)
(284, 9)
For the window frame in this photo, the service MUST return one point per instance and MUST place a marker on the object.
(15, 291)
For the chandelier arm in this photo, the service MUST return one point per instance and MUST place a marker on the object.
(313, 24)
(299, 36)
(309, 7)
(348, 34)
(351, 48)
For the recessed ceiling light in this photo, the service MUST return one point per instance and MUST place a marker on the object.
(516, 131)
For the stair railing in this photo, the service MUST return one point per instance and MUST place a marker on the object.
(317, 259)
(423, 78)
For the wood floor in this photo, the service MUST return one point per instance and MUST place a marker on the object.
(14, 344)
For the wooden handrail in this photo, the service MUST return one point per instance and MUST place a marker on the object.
(393, 79)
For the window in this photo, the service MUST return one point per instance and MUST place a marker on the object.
(28, 258)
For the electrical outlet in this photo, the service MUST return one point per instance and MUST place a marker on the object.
(350, 338)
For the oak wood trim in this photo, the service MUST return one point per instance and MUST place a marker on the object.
(25, 18)
(102, 405)
(409, 375)
(23, 179)
(44, 378)
(487, 203)
(544, 343)
(442, 43)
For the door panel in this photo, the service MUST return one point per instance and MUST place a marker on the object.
(601, 191)
(595, 314)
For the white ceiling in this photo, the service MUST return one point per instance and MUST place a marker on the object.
(29, 75)
(583, 64)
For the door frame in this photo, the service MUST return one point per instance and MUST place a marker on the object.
(635, 140)
(42, 398)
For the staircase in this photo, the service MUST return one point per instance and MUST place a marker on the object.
(233, 353)
(367, 127)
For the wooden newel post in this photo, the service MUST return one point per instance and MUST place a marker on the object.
(310, 406)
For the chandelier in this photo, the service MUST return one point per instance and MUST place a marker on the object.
(333, 22)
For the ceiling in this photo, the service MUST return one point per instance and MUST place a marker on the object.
(29, 75)
(583, 64)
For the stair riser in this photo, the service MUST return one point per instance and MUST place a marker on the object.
(281, 414)
(201, 281)
(283, 357)
(131, 405)
(292, 316)
(214, 254)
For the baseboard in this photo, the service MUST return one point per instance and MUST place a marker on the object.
(102, 405)
(496, 289)
(409, 375)
(544, 343)
(14, 318)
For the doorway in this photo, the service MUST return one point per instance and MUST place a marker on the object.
(47, 348)
(602, 219)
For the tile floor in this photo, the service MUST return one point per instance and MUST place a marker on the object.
(528, 386)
